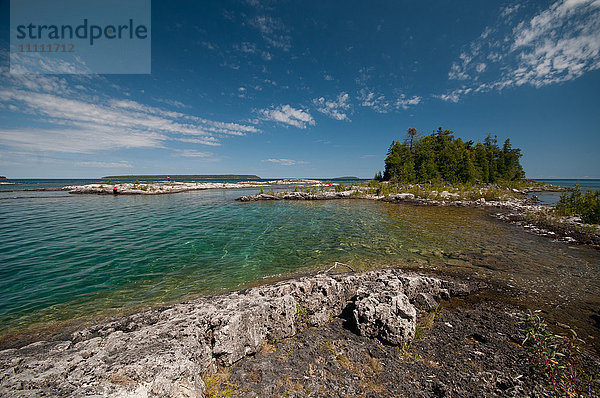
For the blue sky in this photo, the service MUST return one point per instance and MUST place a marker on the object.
(317, 89)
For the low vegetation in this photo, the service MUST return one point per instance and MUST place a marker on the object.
(557, 358)
(457, 191)
(218, 386)
(584, 204)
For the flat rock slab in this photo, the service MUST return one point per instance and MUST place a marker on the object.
(163, 352)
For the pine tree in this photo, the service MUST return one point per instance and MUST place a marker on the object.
(441, 156)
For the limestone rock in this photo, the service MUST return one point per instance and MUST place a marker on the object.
(387, 315)
(163, 352)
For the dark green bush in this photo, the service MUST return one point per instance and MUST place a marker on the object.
(585, 204)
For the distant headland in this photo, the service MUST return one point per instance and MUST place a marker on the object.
(190, 176)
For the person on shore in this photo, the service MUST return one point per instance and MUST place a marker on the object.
(115, 191)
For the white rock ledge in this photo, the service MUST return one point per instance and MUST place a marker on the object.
(163, 352)
(164, 187)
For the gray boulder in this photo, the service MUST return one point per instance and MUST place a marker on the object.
(386, 315)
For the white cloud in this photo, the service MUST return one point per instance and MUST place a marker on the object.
(287, 115)
(454, 95)
(177, 104)
(376, 102)
(71, 118)
(380, 104)
(190, 153)
(506, 11)
(285, 162)
(273, 31)
(105, 165)
(336, 109)
(78, 140)
(204, 141)
(558, 44)
(404, 102)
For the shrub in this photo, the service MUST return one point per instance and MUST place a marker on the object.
(557, 358)
(586, 205)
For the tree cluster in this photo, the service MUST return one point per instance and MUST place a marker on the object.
(441, 156)
(585, 204)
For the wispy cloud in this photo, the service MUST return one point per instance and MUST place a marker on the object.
(287, 115)
(273, 31)
(190, 153)
(380, 104)
(70, 116)
(105, 165)
(336, 109)
(377, 102)
(555, 45)
(177, 104)
(285, 162)
(404, 102)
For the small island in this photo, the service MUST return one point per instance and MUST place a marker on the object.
(187, 177)
(167, 187)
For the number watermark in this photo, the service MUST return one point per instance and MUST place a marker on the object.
(79, 37)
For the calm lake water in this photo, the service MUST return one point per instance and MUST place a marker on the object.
(64, 257)
(550, 198)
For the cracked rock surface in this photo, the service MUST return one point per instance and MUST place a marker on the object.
(164, 352)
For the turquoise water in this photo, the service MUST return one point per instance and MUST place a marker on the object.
(65, 257)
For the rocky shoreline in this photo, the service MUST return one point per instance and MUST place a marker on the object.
(168, 187)
(164, 352)
(524, 212)
(472, 350)
(383, 332)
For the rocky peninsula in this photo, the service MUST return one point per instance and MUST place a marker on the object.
(167, 187)
(513, 205)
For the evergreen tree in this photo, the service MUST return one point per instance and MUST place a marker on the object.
(441, 156)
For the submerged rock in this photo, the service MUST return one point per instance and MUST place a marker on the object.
(163, 352)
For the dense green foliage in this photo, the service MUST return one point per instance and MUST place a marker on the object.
(585, 204)
(442, 157)
(190, 176)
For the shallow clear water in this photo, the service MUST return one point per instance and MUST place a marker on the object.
(68, 256)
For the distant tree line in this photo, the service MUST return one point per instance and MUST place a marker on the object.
(441, 156)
